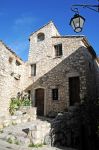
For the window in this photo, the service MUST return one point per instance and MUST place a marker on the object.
(55, 94)
(29, 94)
(33, 70)
(40, 37)
(58, 50)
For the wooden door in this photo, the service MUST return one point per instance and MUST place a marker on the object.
(74, 90)
(39, 101)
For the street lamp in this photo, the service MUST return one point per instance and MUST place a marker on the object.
(77, 22)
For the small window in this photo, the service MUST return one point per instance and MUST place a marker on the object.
(29, 94)
(58, 50)
(55, 94)
(33, 70)
(40, 37)
(18, 63)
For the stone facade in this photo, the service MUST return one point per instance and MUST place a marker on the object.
(77, 59)
(13, 73)
(9, 76)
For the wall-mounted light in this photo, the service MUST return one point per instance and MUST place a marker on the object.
(77, 21)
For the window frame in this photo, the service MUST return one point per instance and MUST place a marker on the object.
(58, 50)
(55, 94)
(33, 69)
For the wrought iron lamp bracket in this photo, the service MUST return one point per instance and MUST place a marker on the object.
(92, 7)
(75, 10)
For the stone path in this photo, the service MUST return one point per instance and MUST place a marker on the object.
(16, 130)
(6, 146)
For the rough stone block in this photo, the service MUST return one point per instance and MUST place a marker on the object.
(6, 123)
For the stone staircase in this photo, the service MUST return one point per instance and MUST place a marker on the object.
(35, 132)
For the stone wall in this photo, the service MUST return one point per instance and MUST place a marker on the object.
(76, 127)
(97, 76)
(9, 76)
(14, 76)
(92, 74)
(26, 80)
(65, 128)
(41, 50)
(91, 78)
(23, 115)
(58, 77)
(43, 53)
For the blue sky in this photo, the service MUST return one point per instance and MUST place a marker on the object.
(19, 18)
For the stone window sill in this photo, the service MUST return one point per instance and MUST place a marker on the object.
(57, 57)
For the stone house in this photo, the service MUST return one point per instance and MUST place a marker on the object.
(60, 71)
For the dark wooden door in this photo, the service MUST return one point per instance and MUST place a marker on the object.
(39, 101)
(74, 90)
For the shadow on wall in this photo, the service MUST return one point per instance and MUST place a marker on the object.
(79, 63)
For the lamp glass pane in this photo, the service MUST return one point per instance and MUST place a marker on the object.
(72, 24)
(76, 22)
(81, 22)
(78, 29)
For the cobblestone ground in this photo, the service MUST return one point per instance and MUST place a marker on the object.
(6, 146)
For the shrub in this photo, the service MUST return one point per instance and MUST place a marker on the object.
(26, 102)
(9, 140)
(16, 103)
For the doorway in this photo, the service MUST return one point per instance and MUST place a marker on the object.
(74, 90)
(39, 101)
